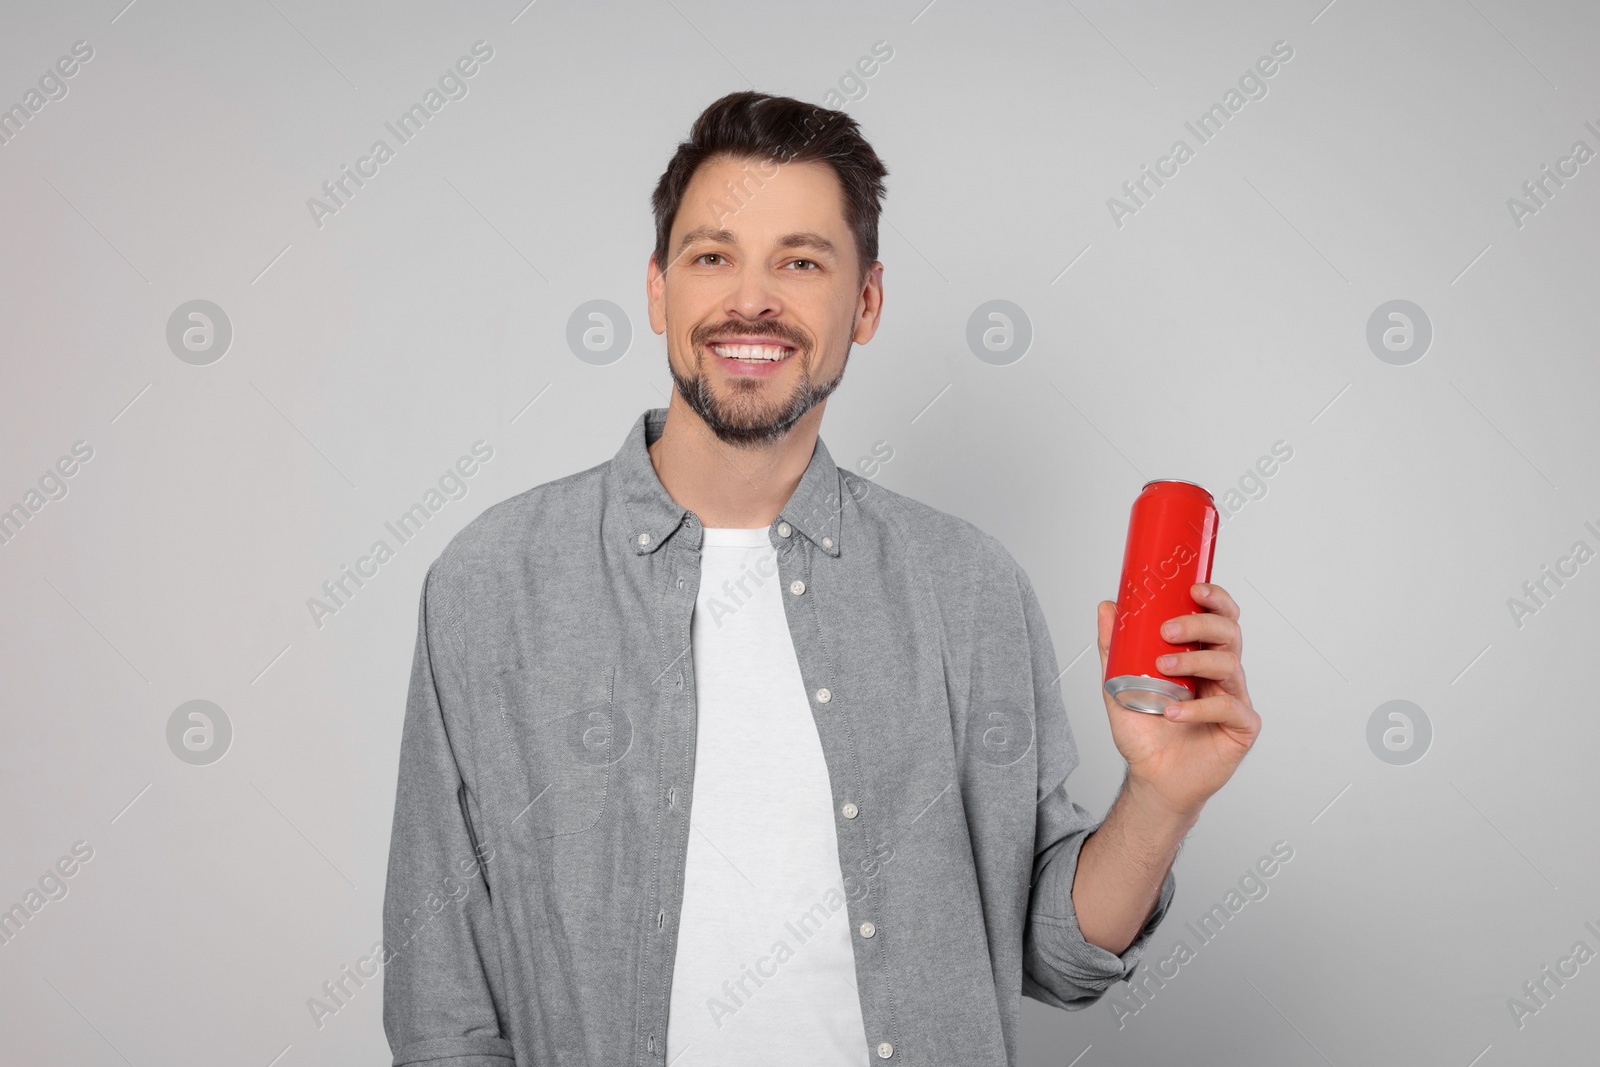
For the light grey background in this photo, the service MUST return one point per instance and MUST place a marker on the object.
(1229, 313)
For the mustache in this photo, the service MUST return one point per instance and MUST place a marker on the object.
(767, 328)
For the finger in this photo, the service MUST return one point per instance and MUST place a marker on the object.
(1223, 709)
(1202, 628)
(1213, 597)
(1214, 664)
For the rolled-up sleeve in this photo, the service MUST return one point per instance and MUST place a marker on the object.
(441, 965)
(1060, 967)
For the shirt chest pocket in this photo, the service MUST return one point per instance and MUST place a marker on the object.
(568, 737)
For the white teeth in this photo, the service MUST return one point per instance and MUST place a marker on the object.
(751, 353)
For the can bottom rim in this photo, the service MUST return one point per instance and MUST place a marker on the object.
(1140, 692)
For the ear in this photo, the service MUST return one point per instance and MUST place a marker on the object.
(869, 306)
(655, 291)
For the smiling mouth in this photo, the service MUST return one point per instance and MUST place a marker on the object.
(751, 353)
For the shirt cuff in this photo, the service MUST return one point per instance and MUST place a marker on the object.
(476, 1050)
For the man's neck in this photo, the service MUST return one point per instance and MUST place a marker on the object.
(724, 485)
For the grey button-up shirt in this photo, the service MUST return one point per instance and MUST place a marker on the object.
(547, 773)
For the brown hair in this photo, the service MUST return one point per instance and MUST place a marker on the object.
(783, 130)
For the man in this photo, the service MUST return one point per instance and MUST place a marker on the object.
(715, 753)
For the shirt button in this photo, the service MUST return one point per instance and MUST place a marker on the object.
(680, 583)
(827, 542)
(784, 529)
(823, 696)
(885, 1050)
(644, 539)
(797, 587)
(868, 930)
(850, 811)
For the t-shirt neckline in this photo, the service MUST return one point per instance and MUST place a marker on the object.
(735, 537)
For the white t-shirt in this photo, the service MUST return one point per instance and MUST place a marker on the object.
(765, 971)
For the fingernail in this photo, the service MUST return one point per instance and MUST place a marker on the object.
(1166, 662)
(1169, 629)
(1172, 711)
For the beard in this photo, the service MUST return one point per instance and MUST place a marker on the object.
(744, 419)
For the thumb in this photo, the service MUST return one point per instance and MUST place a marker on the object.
(1107, 615)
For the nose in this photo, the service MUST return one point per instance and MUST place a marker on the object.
(752, 295)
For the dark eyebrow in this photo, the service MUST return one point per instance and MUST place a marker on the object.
(808, 240)
(800, 239)
(706, 233)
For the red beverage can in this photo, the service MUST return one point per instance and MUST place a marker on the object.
(1172, 535)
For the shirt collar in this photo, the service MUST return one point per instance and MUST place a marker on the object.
(653, 516)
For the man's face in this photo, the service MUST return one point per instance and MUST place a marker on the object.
(762, 296)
